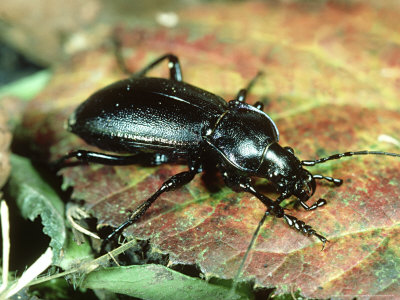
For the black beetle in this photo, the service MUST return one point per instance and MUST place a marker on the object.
(158, 120)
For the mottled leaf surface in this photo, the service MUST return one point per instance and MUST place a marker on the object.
(332, 76)
(36, 198)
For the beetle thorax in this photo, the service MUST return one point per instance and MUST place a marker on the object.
(240, 136)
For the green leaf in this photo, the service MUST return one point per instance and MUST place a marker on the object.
(27, 87)
(36, 198)
(156, 282)
(75, 254)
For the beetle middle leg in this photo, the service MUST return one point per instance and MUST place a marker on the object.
(172, 183)
(242, 94)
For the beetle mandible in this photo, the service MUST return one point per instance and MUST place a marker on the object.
(158, 120)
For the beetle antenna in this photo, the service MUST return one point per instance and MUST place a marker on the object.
(336, 181)
(350, 153)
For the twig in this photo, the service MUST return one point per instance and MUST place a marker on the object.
(5, 230)
(40, 265)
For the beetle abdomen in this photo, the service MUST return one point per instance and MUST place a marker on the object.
(154, 114)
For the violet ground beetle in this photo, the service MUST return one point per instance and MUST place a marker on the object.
(157, 120)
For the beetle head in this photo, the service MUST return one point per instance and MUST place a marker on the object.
(284, 169)
(305, 186)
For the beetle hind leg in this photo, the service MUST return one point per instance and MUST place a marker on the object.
(174, 66)
(175, 70)
(109, 159)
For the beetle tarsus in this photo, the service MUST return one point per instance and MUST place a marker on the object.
(304, 228)
(323, 239)
(319, 203)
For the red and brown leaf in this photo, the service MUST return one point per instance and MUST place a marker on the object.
(332, 80)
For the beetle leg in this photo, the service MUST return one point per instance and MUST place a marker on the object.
(273, 207)
(278, 212)
(319, 203)
(304, 228)
(241, 95)
(175, 71)
(174, 182)
(259, 105)
(108, 159)
(173, 65)
(118, 54)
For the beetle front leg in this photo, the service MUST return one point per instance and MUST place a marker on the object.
(276, 210)
(244, 184)
(321, 202)
(304, 228)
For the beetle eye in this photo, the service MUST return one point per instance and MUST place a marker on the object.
(289, 149)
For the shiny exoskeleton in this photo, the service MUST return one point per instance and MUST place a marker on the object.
(157, 120)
